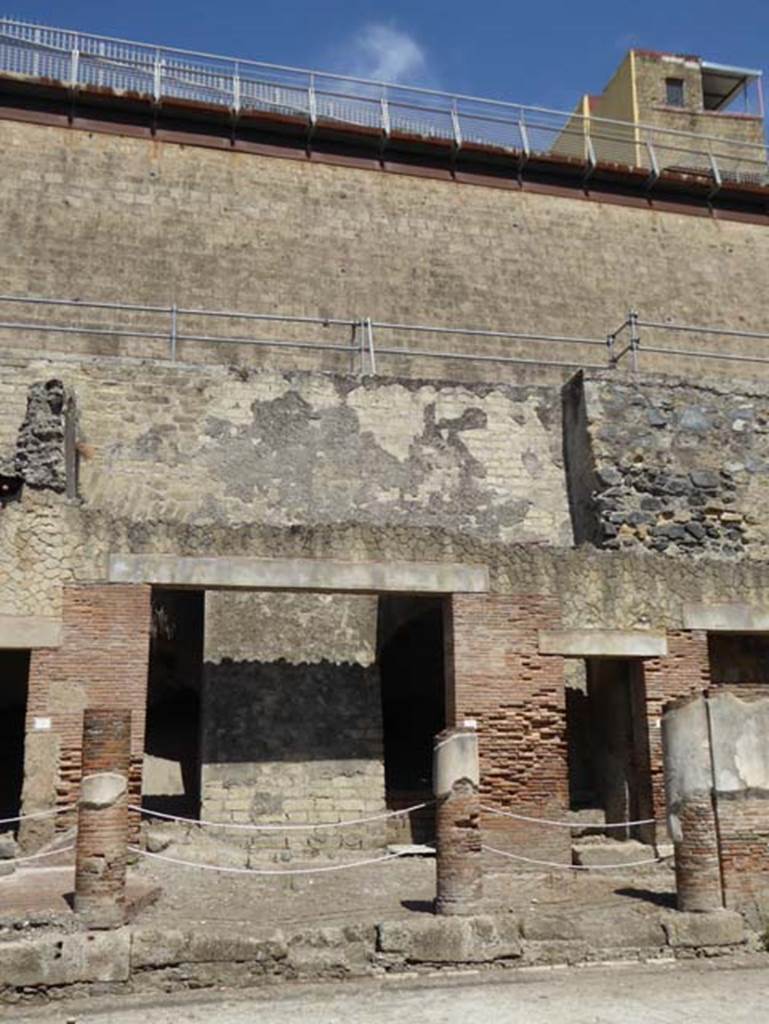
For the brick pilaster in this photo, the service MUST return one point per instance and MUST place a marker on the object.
(499, 678)
(102, 662)
(683, 672)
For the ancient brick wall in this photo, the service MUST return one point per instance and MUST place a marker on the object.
(102, 663)
(743, 828)
(517, 698)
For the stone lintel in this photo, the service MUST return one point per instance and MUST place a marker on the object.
(320, 574)
(25, 632)
(603, 643)
(726, 618)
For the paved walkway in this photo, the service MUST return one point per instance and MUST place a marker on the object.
(696, 994)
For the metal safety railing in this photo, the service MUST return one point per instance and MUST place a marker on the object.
(163, 333)
(360, 345)
(158, 73)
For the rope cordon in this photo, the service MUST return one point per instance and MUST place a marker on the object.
(267, 871)
(575, 867)
(278, 827)
(36, 814)
(37, 856)
(569, 824)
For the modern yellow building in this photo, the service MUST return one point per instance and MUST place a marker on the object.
(656, 102)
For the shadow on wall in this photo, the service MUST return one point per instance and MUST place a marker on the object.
(256, 712)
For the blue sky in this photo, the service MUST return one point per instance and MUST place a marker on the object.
(545, 53)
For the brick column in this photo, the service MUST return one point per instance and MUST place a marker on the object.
(102, 829)
(457, 822)
(691, 813)
(497, 676)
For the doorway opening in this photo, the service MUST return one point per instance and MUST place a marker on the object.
(411, 665)
(14, 676)
(739, 663)
(171, 775)
(609, 759)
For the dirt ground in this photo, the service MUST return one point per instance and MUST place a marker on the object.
(394, 889)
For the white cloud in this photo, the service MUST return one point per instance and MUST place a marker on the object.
(384, 53)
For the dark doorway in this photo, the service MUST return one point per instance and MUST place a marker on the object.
(609, 745)
(739, 663)
(14, 673)
(171, 777)
(413, 699)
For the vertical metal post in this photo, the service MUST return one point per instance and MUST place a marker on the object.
(36, 53)
(370, 339)
(635, 340)
(525, 144)
(236, 89)
(354, 344)
(715, 171)
(312, 101)
(173, 332)
(455, 126)
(73, 70)
(362, 349)
(158, 77)
(610, 339)
(385, 108)
(654, 167)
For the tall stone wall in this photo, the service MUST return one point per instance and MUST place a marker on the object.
(429, 471)
(101, 216)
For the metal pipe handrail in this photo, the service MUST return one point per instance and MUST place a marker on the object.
(480, 332)
(149, 57)
(477, 357)
(693, 329)
(38, 300)
(362, 346)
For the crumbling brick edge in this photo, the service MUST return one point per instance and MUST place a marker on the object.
(42, 964)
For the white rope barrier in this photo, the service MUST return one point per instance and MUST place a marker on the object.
(576, 867)
(570, 824)
(281, 827)
(37, 856)
(36, 814)
(268, 871)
